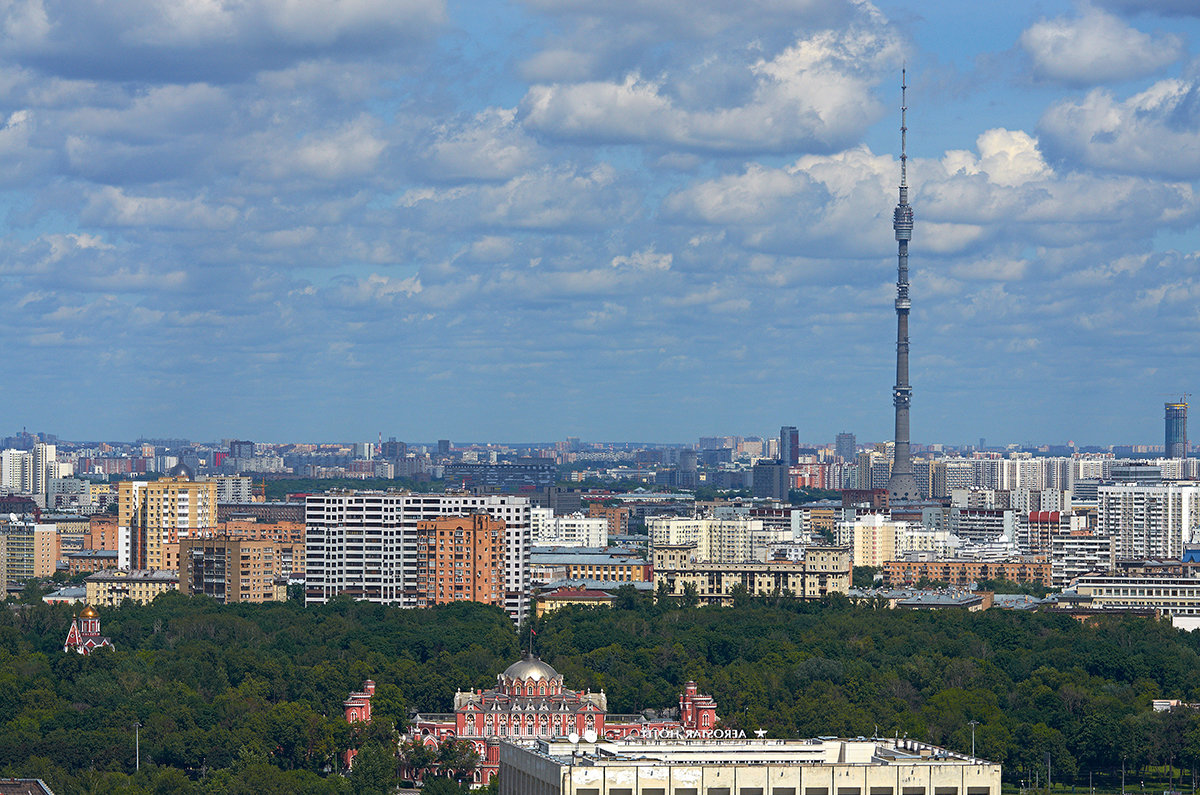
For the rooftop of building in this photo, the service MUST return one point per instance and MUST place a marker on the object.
(85, 554)
(135, 575)
(583, 594)
(564, 557)
(24, 786)
(598, 585)
(737, 749)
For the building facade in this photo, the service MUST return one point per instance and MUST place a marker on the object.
(155, 513)
(1149, 521)
(824, 570)
(229, 568)
(111, 587)
(899, 573)
(531, 703)
(366, 544)
(460, 558)
(574, 530)
(714, 764)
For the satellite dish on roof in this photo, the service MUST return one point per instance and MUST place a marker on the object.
(572, 738)
(589, 735)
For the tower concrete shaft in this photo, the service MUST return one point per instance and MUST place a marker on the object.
(903, 484)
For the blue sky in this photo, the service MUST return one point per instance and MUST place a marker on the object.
(612, 220)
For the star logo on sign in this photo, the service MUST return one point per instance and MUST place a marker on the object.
(760, 733)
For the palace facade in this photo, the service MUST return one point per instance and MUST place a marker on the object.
(530, 703)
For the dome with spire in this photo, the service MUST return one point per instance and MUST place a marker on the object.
(89, 612)
(529, 668)
(181, 470)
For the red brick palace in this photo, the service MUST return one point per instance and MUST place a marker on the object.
(529, 702)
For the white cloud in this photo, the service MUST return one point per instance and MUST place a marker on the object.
(1095, 48)
(645, 260)
(812, 95)
(353, 150)
(114, 207)
(155, 40)
(1152, 133)
(490, 146)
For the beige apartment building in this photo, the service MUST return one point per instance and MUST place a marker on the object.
(154, 514)
(230, 569)
(30, 551)
(825, 570)
(111, 587)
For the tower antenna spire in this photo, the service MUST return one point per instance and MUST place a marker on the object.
(904, 126)
(903, 483)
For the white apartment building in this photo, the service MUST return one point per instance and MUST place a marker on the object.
(575, 530)
(43, 456)
(365, 544)
(232, 488)
(874, 538)
(1076, 553)
(983, 525)
(1149, 521)
(16, 471)
(731, 539)
(1176, 595)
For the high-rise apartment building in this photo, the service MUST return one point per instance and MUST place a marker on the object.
(230, 569)
(789, 445)
(241, 449)
(574, 530)
(44, 456)
(846, 446)
(733, 539)
(1176, 430)
(16, 470)
(460, 558)
(153, 514)
(29, 551)
(235, 489)
(771, 479)
(1149, 521)
(366, 544)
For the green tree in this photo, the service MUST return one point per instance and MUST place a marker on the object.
(374, 771)
(864, 576)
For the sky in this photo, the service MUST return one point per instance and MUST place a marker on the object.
(617, 220)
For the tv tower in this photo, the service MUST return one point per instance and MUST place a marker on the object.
(903, 484)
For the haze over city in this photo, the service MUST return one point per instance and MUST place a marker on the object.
(523, 221)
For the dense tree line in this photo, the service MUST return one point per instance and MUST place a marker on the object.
(248, 698)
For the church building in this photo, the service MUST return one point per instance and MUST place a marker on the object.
(84, 635)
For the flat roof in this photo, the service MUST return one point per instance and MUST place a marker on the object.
(723, 750)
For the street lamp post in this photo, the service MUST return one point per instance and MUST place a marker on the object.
(973, 724)
(137, 747)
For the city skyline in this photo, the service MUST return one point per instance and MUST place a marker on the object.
(534, 220)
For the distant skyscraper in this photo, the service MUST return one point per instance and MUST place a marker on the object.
(443, 447)
(1176, 421)
(789, 445)
(241, 449)
(903, 484)
(846, 446)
